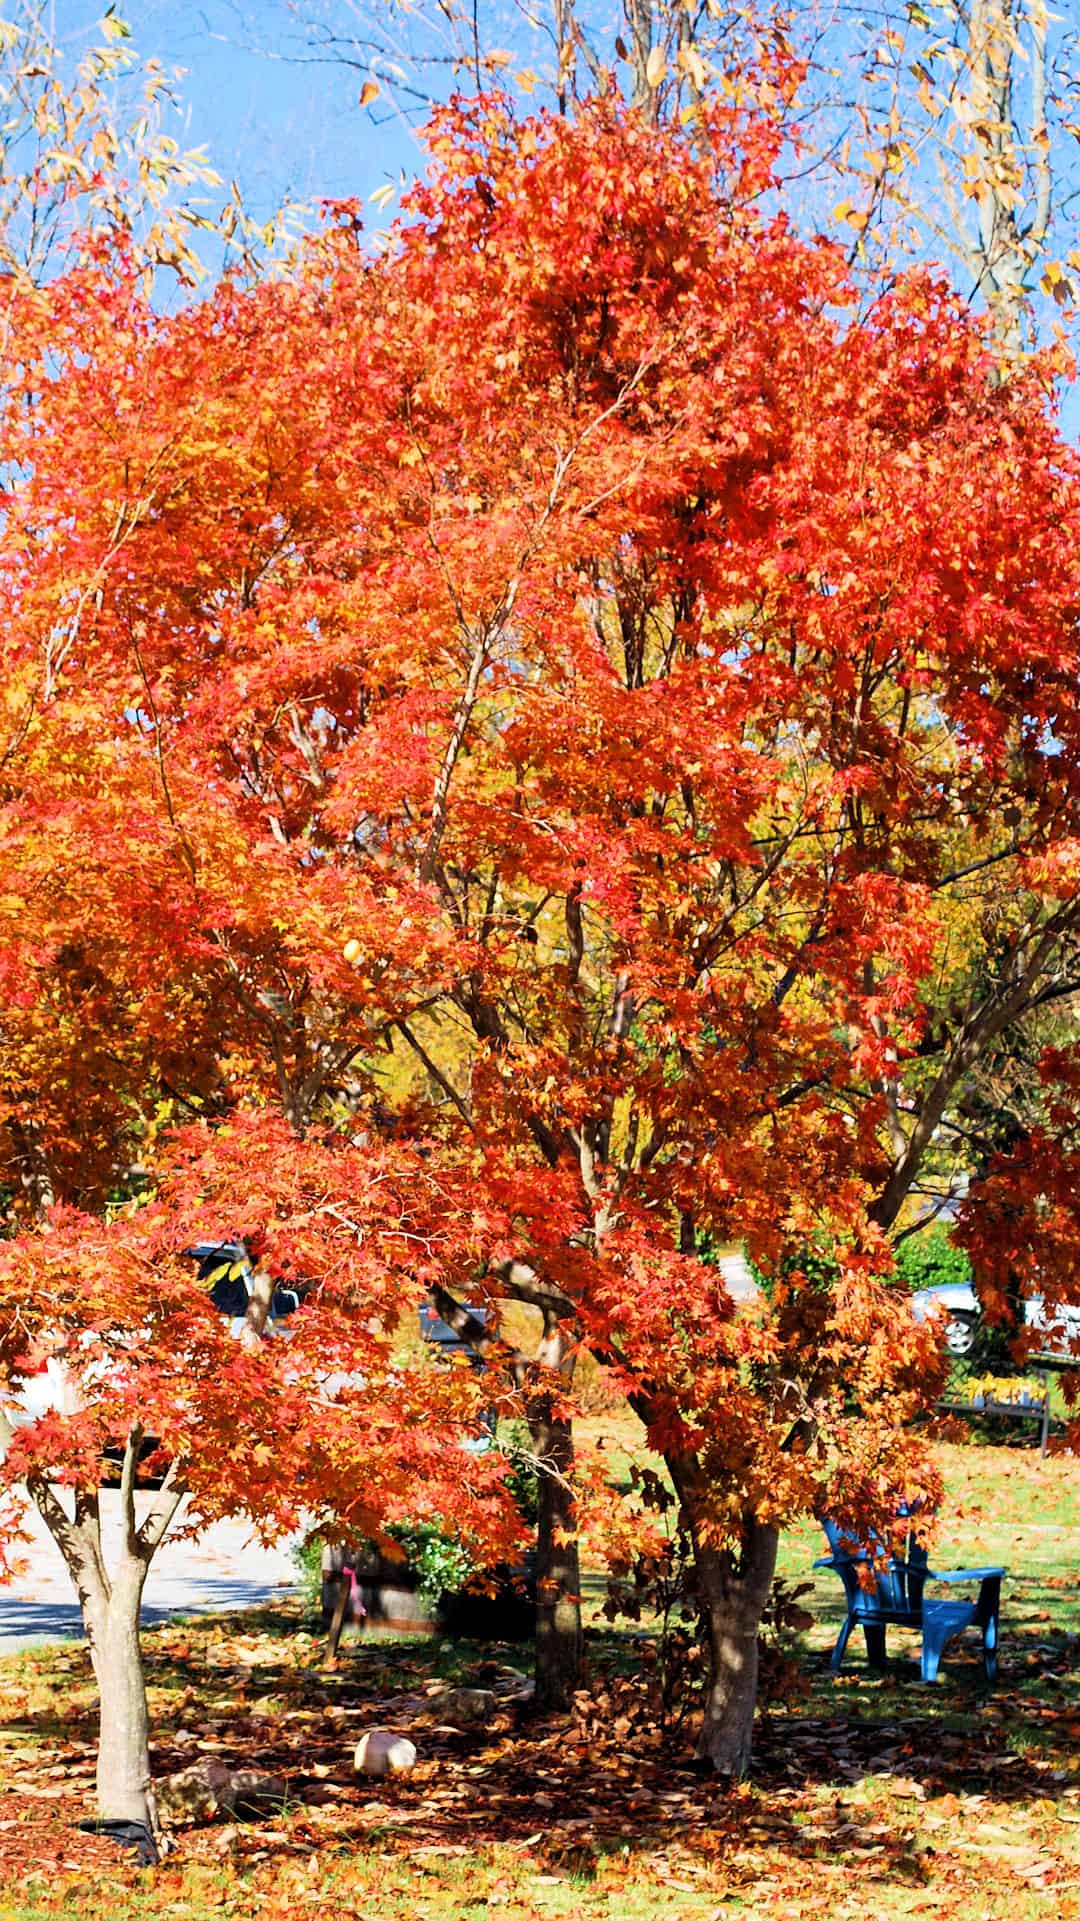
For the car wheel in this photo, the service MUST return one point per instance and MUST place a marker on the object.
(960, 1333)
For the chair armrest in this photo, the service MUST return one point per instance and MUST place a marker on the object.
(966, 1574)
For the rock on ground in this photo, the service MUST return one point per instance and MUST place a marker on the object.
(209, 1788)
(380, 1751)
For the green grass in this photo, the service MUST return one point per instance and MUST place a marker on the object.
(872, 1796)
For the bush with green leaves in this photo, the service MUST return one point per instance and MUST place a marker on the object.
(930, 1259)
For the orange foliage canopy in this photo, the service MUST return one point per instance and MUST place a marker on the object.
(497, 734)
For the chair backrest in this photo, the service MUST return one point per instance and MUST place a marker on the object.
(898, 1581)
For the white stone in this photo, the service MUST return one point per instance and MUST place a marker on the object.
(380, 1751)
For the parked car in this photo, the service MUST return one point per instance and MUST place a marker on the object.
(1058, 1327)
(224, 1266)
(227, 1266)
(443, 1338)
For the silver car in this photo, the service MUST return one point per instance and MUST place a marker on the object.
(1058, 1327)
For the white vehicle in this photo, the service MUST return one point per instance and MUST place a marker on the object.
(1058, 1327)
(225, 1265)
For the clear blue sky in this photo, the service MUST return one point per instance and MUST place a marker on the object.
(283, 124)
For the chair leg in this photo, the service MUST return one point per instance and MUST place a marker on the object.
(841, 1643)
(933, 1644)
(875, 1644)
(990, 1647)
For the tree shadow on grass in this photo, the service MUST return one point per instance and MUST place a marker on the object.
(853, 1768)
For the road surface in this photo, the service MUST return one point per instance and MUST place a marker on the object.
(226, 1567)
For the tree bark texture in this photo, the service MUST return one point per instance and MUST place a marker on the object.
(734, 1591)
(124, 1792)
(558, 1575)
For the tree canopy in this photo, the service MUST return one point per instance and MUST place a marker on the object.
(528, 755)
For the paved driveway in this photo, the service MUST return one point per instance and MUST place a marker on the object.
(226, 1567)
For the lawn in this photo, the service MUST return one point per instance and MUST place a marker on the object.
(870, 1796)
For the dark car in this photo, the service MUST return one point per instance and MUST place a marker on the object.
(226, 1267)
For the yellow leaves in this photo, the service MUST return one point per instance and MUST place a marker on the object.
(855, 217)
(382, 196)
(65, 166)
(369, 92)
(655, 67)
(693, 66)
(113, 27)
(1055, 282)
(526, 79)
(351, 951)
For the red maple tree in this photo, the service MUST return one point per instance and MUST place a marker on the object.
(580, 654)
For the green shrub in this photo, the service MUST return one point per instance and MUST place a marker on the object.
(307, 1556)
(929, 1259)
(441, 1564)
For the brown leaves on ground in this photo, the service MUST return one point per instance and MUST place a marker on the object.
(875, 1784)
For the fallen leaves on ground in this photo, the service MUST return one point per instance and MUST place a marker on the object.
(862, 1786)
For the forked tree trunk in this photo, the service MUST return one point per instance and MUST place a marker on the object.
(558, 1575)
(110, 1605)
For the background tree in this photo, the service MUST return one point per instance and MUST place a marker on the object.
(89, 154)
(943, 131)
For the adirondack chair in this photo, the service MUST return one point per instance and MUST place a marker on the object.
(897, 1599)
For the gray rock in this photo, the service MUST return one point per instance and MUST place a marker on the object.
(209, 1789)
(463, 1707)
(198, 1793)
(254, 1792)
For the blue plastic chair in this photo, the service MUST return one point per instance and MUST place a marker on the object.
(897, 1599)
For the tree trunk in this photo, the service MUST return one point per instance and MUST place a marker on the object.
(110, 1606)
(734, 1591)
(558, 1576)
(123, 1767)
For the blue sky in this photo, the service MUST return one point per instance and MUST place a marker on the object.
(284, 125)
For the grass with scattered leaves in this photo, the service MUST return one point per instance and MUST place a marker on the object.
(871, 1795)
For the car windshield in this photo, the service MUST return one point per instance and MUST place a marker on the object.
(226, 1267)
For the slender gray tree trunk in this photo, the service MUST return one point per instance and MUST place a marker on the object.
(558, 1568)
(558, 1574)
(124, 1791)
